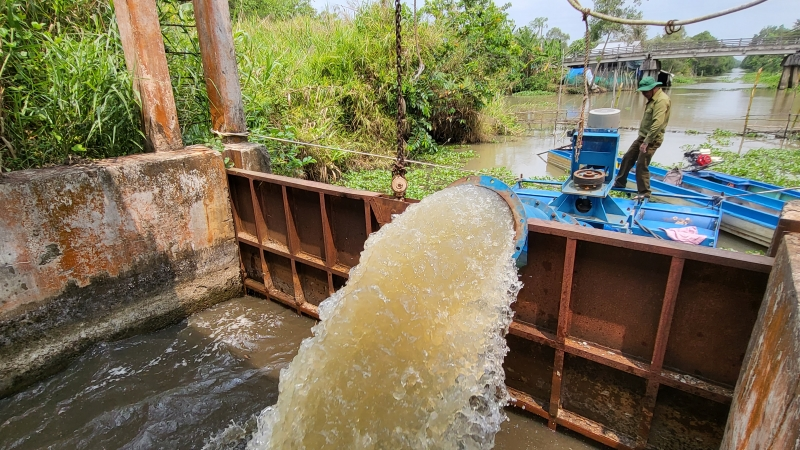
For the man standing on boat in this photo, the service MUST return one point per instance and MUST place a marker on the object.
(651, 135)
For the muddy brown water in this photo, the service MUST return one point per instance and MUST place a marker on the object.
(719, 102)
(189, 386)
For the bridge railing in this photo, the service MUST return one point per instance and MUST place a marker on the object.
(786, 41)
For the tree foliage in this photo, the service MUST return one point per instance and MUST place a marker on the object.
(770, 63)
(694, 66)
(603, 29)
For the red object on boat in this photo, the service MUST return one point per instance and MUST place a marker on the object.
(703, 160)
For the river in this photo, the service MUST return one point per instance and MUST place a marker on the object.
(699, 109)
(197, 384)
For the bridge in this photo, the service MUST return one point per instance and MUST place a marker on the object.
(652, 53)
(691, 49)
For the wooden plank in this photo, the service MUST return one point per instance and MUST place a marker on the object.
(146, 60)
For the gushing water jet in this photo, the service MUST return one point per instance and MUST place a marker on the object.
(409, 353)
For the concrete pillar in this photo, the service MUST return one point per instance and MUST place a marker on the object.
(221, 72)
(790, 76)
(789, 222)
(146, 59)
(650, 68)
(765, 413)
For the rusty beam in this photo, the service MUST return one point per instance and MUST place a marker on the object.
(215, 33)
(656, 363)
(715, 256)
(564, 318)
(146, 60)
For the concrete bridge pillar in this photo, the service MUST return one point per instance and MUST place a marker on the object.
(650, 68)
(790, 77)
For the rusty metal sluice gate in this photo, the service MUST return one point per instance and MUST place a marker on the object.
(633, 342)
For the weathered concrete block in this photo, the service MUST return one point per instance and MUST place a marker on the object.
(765, 413)
(249, 156)
(105, 250)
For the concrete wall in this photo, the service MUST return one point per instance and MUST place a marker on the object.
(106, 250)
(765, 413)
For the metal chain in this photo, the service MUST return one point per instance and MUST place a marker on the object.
(399, 167)
(581, 120)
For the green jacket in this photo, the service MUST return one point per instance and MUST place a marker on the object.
(655, 119)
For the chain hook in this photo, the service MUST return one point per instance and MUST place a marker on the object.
(399, 182)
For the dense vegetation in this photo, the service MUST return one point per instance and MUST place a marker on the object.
(770, 63)
(64, 90)
(328, 77)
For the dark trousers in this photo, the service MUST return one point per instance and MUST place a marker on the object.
(642, 161)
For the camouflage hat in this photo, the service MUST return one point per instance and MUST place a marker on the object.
(648, 84)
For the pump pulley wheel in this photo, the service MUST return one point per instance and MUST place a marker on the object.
(399, 186)
(588, 178)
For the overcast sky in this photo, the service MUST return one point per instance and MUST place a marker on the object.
(737, 25)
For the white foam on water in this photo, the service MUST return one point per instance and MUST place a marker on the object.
(409, 353)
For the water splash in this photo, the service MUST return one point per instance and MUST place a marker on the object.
(409, 353)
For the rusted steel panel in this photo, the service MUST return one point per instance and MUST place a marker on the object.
(348, 228)
(270, 198)
(617, 299)
(598, 316)
(221, 72)
(310, 234)
(537, 303)
(146, 59)
(314, 283)
(242, 205)
(682, 421)
(715, 313)
(766, 405)
(305, 208)
(604, 395)
(669, 248)
(251, 259)
(530, 372)
(664, 324)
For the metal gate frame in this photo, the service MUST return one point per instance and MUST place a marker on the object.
(633, 342)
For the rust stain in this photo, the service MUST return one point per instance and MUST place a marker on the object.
(71, 225)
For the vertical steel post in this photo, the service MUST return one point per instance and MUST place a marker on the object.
(221, 72)
(146, 59)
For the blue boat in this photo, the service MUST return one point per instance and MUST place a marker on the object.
(758, 188)
(585, 198)
(753, 216)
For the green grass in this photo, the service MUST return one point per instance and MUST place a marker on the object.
(422, 181)
(531, 93)
(774, 166)
(770, 80)
(683, 79)
(64, 89)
